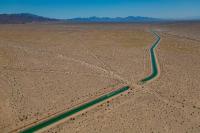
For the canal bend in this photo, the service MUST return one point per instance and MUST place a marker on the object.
(82, 107)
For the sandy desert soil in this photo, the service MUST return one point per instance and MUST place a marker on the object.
(46, 68)
(188, 30)
(169, 104)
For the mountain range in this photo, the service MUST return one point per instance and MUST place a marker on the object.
(29, 18)
(22, 18)
(117, 19)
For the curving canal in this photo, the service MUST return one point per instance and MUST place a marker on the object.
(82, 107)
(154, 63)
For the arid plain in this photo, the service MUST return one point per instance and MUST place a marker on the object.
(49, 68)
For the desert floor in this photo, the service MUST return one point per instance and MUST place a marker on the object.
(46, 68)
(49, 68)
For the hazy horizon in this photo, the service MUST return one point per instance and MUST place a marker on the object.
(66, 9)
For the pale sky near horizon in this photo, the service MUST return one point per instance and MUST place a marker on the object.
(104, 8)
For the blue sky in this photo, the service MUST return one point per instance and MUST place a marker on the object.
(103, 8)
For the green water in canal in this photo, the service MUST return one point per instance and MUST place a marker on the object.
(74, 111)
(154, 64)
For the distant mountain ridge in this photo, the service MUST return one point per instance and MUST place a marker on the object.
(22, 18)
(29, 18)
(117, 19)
